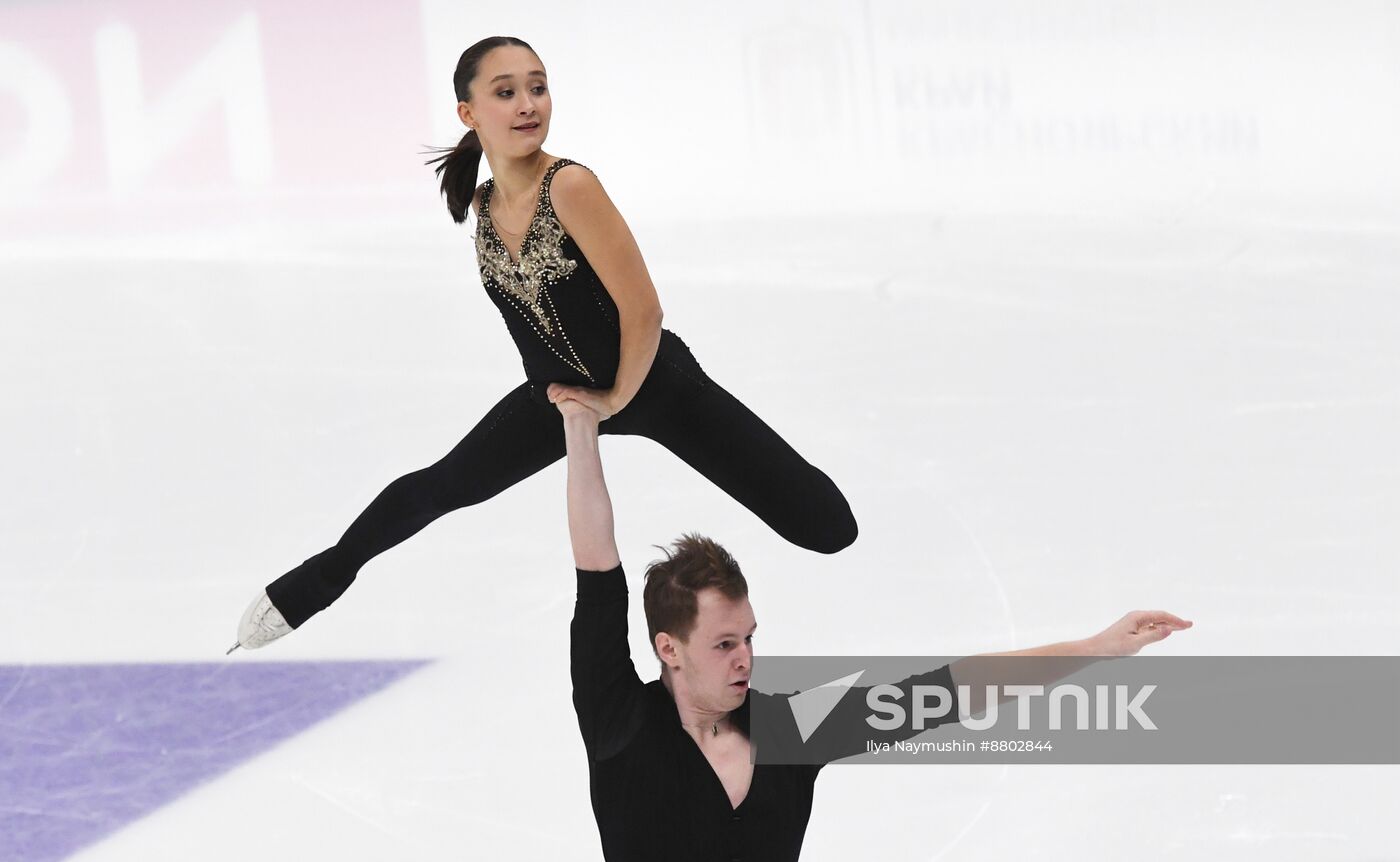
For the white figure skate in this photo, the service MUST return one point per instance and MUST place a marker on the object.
(262, 624)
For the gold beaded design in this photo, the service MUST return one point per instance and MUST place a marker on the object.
(542, 263)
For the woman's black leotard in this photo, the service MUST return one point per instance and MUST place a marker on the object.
(562, 318)
(565, 324)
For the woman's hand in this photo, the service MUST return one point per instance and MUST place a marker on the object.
(1135, 631)
(600, 401)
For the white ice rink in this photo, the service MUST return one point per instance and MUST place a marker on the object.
(1055, 382)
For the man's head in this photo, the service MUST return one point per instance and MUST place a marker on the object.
(700, 622)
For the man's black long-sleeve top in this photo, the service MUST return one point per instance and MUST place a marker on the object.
(655, 796)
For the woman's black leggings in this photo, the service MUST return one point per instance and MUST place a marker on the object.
(678, 406)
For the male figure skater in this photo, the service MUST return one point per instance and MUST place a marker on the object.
(670, 771)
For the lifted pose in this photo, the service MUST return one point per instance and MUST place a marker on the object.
(558, 260)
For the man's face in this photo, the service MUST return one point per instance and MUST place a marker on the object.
(718, 657)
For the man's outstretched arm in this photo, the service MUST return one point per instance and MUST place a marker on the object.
(1058, 660)
(1126, 637)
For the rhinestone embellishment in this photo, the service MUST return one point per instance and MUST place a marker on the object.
(542, 264)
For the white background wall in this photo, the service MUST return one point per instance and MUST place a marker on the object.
(134, 110)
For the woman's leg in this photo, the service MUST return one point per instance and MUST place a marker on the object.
(708, 428)
(515, 439)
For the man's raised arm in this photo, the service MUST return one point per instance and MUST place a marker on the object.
(590, 508)
(607, 690)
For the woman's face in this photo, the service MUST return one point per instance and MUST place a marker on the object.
(509, 91)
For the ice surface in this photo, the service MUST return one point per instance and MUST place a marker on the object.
(1039, 425)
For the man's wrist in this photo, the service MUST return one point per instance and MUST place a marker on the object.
(1087, 647)
(583, 419)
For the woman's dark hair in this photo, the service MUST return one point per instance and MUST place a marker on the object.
(458, 165)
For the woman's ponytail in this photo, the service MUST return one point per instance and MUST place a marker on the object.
(458, 167)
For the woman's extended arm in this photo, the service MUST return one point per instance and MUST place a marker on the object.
(588, 215)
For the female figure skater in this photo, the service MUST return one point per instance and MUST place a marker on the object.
(562, 266)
